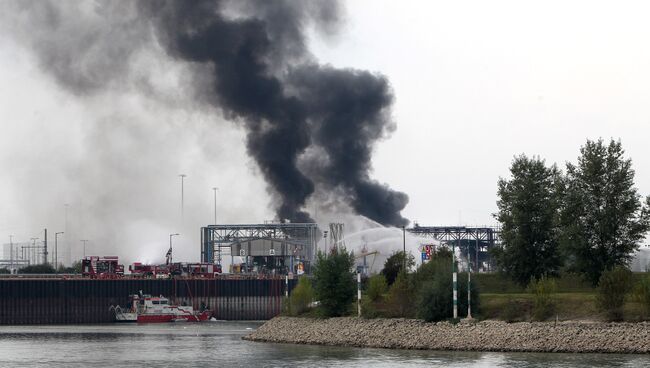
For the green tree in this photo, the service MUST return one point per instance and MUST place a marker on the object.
(603, 217)
(4, 271)
(528, 212)
(334, 282)
(394, 264)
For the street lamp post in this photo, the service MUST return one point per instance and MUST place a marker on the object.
(182, 176)
(169, 252)
(68, 253)
(215, 204)
(56, 250)
(84, 241)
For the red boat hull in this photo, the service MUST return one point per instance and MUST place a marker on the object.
(162, 318)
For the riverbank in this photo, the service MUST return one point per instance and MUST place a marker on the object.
(566, 337)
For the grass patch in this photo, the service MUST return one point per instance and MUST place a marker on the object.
(570, 306)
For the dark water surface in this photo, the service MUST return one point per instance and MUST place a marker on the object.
(219, 344)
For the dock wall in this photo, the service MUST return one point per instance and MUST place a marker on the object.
(63, 301)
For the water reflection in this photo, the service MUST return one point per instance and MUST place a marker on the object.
(220, 344)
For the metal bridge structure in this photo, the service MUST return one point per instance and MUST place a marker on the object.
(476, 240)
(286, 240)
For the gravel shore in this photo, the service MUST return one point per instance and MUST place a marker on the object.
(566, 337)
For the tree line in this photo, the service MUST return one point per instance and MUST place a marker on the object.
(587, 219)
(423, 292)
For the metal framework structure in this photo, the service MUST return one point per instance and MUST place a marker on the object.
(216, 237)
(485, 238)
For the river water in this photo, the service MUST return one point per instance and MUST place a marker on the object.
(219, 344)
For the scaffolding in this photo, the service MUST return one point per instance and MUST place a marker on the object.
(284, 242)
(476, 240)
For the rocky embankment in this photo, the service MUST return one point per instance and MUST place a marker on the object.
(568, 337)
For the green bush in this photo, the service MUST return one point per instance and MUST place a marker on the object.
(613, 286)
(301, 296)
(4, 271)
(433, 280)
(401, 297)
(377, 287)
(37, 269)
(642, 292)
(334, 282)
(435, 298)
(369, 308)
(543, 291)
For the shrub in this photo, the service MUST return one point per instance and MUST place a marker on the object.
(613, 286)
(433, 280)
(377, 287)
(4, 271)
(435, 298)
(543, 291)
(369, 308)
(642, 292)
(37, 269)
(334, 283)
(301, 297)
(400, 297)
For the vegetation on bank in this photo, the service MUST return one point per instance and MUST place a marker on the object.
(567, 239)
(426, 294)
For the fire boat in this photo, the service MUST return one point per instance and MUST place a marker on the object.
(156, 309)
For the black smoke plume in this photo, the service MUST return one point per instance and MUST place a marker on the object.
(264, 76)
(251, 62)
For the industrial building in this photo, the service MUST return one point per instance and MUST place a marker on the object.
(271, 248)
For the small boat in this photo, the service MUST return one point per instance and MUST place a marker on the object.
(156, 309)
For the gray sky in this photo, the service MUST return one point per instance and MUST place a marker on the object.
(475, 84)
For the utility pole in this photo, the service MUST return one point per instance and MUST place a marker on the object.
(67, 236)
(84, 241)
(56, 250)
(45, 248)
